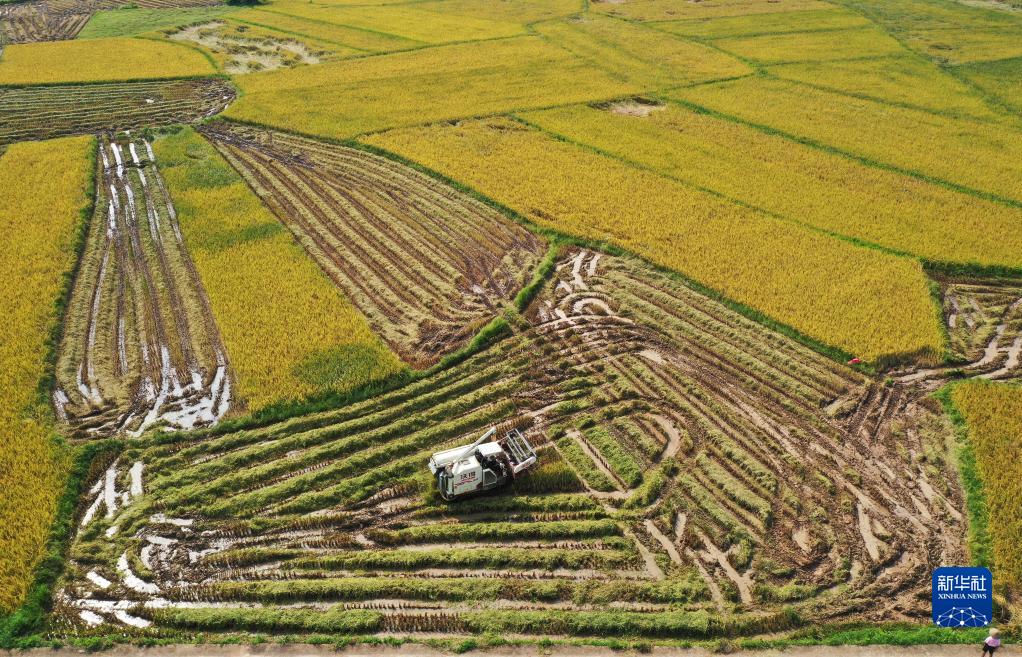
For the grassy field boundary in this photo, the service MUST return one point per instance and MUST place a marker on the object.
(979, 540)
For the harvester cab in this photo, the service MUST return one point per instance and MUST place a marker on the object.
(481, 466)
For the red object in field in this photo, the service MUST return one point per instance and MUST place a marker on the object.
(855, 361)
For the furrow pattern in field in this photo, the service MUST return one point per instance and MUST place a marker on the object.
(749, 469)
(426, 264)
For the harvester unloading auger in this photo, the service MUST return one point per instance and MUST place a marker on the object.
(481, 466)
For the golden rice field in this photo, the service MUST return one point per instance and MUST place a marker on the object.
(809, 20)
(97, 60)
(641, 55)
(303, 20)
(993, 415)
(44, 193)
(809, 46)
(288, 331)
(928, 144)
(799, 183)
(901, 79)
(766, 263)
(346, 98)
(746, 273)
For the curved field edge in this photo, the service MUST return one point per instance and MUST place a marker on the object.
(46, 215)
(287, 337)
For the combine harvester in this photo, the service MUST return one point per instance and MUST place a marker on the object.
(481, 466)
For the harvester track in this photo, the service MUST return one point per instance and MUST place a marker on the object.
(140, 344)
(747, 484)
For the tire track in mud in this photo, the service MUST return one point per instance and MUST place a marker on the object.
(776, 471)
(140, 345)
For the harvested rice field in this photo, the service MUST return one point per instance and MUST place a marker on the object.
(43, 112)
(140, 344)
(428, 266)
(548, 324)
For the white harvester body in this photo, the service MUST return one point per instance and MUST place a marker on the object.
(481, 466)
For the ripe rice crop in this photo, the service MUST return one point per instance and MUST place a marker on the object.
(43, 112)
(930, 144)
(669, 10)
(287, 336)
(43, 192)
(949, 33)
(279, 17)
(441, 270)
(517, 11)
(801, 183)
(993, 415)
(756, 24)
(96, 60)
(409, 22)
(692, 232)
(968, 44)
(813, 46)
(639, 54)
(346, 98)
(1002, 80)
(904, 80)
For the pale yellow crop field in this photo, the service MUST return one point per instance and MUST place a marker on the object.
(95, 60)
(968, 44)
(905, 80)
(641, 55)
(43, 188)
(669, 10)
(802, 183)
(980, 155)
(813, 46)
(405, 22)
(277, 18)
(746, 25)
(426, 26)
(288, 330)
(343, 99)
(517, 11)
(810, 281)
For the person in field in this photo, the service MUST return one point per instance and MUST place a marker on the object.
(992, 642)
